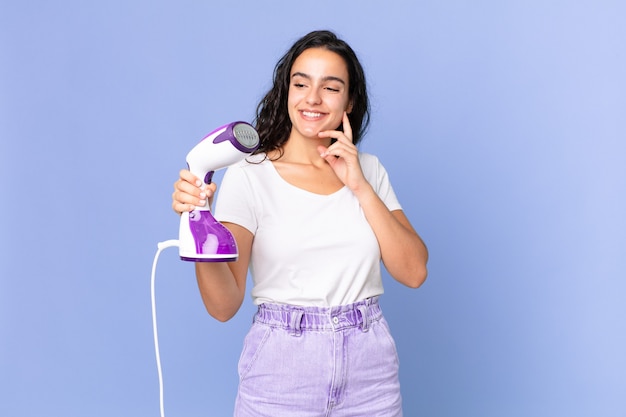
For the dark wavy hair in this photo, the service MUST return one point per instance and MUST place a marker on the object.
(272, 118)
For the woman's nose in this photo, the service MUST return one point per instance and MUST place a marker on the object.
(313, 97)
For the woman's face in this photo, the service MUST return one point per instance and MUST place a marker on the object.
(318, 92)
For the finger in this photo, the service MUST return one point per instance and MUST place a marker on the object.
(344, 136)
(183, 202)
(186, 196)
(180, 208)
(340, 137)
(210, 189)
(347, 128)
(186, 202)
(343, 145)
(191, 184)
(186, 175)
(186, 187)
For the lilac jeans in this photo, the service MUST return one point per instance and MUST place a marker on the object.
(319, 362)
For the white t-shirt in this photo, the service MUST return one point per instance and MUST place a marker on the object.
(308, 249)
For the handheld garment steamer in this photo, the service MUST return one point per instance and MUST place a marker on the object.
(201, 237)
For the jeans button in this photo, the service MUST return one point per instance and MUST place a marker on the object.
(335, 320)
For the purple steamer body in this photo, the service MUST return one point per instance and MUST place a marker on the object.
(211, 238)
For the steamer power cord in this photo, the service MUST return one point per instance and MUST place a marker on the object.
(160, 247)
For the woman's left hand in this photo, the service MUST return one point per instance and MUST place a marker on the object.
(343, 156)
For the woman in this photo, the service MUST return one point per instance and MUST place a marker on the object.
(313, 218)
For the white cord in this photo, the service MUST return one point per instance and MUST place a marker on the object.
(161, 245)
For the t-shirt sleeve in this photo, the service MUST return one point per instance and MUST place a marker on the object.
(235, 199)
(378, 177)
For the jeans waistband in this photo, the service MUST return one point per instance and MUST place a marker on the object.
(297, 319)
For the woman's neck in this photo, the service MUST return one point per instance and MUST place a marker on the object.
(300, 150)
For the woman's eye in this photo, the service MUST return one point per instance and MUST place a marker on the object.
(332, 90)
(298, 85)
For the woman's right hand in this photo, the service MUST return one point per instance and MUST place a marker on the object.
(190, 192)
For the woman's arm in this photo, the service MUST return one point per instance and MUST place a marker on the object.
(222, 284)
(404, 254)
(403, 251)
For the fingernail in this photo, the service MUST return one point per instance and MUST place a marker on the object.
(198, 183)
(202, 203)
(203, 195)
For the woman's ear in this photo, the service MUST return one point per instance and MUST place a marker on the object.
(349, 108)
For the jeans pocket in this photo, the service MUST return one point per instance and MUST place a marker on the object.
(389, 338)
(252, 346)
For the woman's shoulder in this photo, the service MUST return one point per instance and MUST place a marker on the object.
(368, 157)
(251, 166)
(373, 168)
(369, 161)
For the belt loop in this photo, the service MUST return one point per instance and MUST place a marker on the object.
(296, 320)
(364, 317)
(257, 315)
